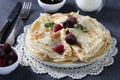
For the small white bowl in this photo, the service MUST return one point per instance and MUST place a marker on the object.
(10, 68)
(51, 7)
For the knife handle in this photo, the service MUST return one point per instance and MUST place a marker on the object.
(4, 31)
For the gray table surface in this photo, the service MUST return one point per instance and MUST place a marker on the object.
(108, 16)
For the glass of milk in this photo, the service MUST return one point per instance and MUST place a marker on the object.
(90, 5)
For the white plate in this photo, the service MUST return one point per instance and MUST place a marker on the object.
(61, 65)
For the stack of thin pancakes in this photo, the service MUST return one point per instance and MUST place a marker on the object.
(40, 40)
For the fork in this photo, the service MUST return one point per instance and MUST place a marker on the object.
(23, 15)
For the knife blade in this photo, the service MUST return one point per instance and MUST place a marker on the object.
(7, 25)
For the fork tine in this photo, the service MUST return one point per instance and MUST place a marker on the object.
(23, 9)
(28, 9)
(27, 6)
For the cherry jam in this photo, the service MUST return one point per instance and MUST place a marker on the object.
(51, 1)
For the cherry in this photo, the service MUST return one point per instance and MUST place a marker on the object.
(73, 20)
(12, 55)
(2, 62)
(57, 27)
(7, 55)
(67, 24)
(70, 22)
(1, 46)
(1, 53)
(70, 39)
(59, 48)
(7, 48)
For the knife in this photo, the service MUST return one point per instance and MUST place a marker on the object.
(7, 25)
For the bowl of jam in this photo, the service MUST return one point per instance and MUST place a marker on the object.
(51, 5)
(9, 59)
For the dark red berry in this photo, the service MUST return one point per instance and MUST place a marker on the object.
(12, 55)
(67, 24)
(7, 55)
(1, 52)
(7, 48)
(70, 39)
(2, 62)
(73, 20)
(57, 27)
(1, 46)
(70, 22)
(59, 48)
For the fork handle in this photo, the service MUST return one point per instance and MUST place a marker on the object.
(16, 24)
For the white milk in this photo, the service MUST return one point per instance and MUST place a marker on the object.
(89, 5)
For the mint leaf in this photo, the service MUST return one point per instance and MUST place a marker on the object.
(49, 24)
(79, 26)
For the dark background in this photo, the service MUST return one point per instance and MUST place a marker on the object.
(108, 16)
